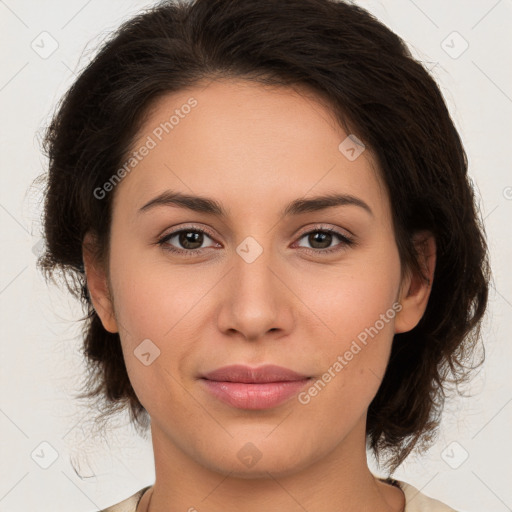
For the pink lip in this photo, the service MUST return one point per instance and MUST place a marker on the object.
(254, 388)
(246, 374)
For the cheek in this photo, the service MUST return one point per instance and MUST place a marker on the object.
(353, 365)
(352, 297)
(152, 297)
(357, 305)
(344, 307)
(153, 312)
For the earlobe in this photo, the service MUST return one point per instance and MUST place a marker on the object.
(415, 289)
(97, 284)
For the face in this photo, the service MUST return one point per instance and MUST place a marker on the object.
(312, 288)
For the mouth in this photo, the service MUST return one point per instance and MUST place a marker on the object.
(248, 375)
(254, 388)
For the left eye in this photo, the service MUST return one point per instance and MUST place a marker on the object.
(325, 237)
(191, 241)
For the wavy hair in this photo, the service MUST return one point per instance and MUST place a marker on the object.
(375, 89)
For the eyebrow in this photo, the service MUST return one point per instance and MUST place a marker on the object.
(213, 207)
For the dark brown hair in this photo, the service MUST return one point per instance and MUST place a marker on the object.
(376, 90)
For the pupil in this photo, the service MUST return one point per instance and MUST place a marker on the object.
(322, 238)
(189, 238)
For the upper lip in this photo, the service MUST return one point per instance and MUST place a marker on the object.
(246, 374)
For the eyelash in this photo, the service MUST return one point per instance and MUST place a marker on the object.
(345, 241)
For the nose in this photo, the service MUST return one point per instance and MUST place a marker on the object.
(255, 301)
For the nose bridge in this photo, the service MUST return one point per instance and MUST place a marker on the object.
(253, 267)
(254, 302)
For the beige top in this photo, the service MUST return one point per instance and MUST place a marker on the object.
(415, 501)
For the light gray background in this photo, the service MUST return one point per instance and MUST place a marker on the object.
(41, 365)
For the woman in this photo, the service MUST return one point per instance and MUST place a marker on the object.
(265, 207)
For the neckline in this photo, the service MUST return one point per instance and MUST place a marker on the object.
(388, 480)
(140, 494)
(391, 481)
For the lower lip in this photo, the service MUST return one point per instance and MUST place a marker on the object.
(254, 396)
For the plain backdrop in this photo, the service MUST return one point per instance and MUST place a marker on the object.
(49, 460)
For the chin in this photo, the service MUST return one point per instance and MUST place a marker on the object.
(251, 462)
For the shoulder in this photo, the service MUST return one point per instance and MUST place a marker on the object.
(415, 501)
(129, 504)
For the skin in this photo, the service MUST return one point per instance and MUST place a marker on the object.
(255, 149)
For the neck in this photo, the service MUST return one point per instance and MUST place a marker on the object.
(337, 482)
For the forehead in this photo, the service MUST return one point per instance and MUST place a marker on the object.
(246, 142)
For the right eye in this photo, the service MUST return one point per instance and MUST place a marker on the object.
(189, 238)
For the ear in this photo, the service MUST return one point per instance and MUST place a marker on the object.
(415, 290)
(97, 284)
